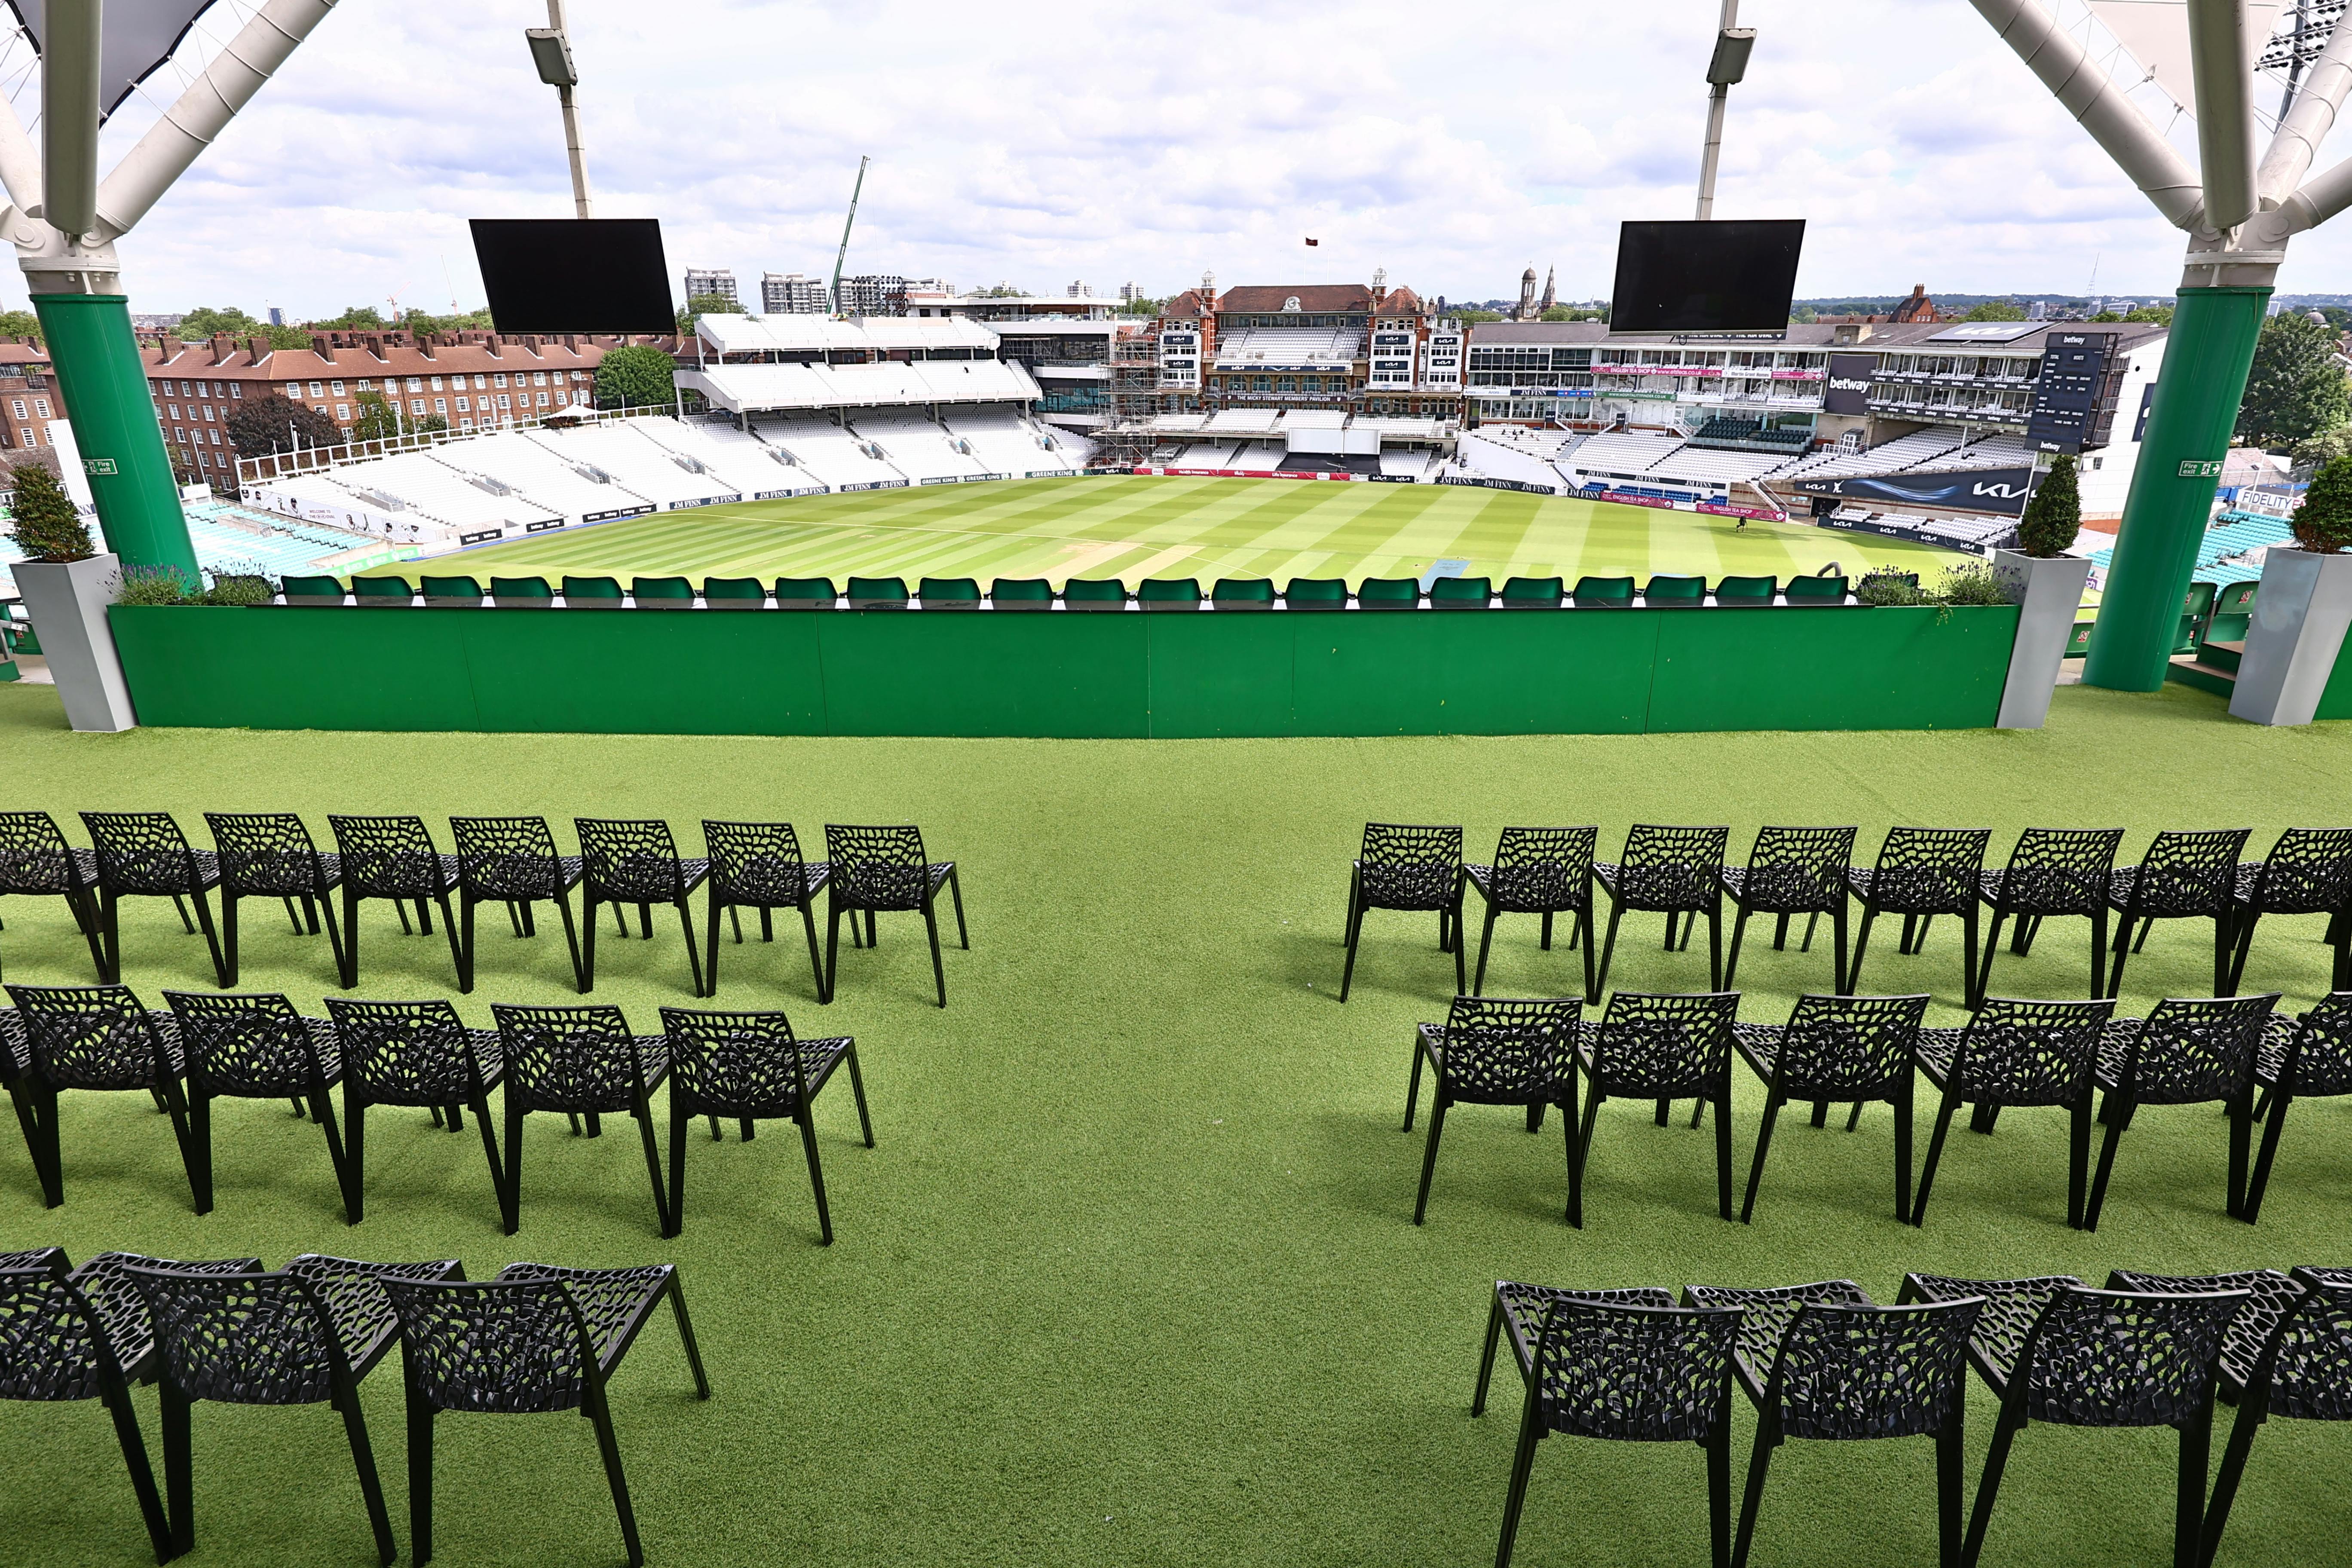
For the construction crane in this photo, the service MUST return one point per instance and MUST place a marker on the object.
(842, 254)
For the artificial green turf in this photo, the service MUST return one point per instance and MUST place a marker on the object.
(1134, 527)
(1130, 1278)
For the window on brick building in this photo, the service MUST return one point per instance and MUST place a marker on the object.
(415, 404)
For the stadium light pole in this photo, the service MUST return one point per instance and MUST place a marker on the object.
(550, 51)
(1724, 68)
(2239, 217)
(64, 224)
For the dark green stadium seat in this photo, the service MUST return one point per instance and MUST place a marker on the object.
(1674, 592)
(1093, 593)
(1315, 594)
(1604, 593)
(521, 593)
(382, 591)
(806, 592)
(661, 593)
(1747, 590)
(2195, 612)
(1533, 592)
(1389, 594)
(1460, 593)
(314, 591)
(949, 593)
(1243, 594)
(1816, 591)
(451, 591)
(734, 594)
(592, 592)
(1021, 593)
(2233, 612)
(878, 593)
(1168, 593)
(2078, 641)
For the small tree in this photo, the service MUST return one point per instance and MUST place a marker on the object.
(274, 423)
(2322, 524)
(1996, 310)
(206, 320)
(2054, 515)
(20, 324)
(2295, 389)
(43, 521)
(636, 377)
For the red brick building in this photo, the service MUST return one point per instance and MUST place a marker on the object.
(474, 380)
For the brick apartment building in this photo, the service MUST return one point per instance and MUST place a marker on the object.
(474, 380)
(1374, 349)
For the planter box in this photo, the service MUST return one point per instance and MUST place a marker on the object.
(67, 603)
(2047, 591)
(2300, 615)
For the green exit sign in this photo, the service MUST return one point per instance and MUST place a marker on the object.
(2200, 468)
(97, 466)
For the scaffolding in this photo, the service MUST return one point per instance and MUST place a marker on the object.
(1125, 439)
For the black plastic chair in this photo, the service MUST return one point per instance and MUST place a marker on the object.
(1825, 1361)
(1492, 1051)
(534, 1340)
(253, 1048)
(1657, 1047)
(1676, 872)
(750, 1067)
(1920, 873)
(1836, 1048)
(511, 861)
(2054, 1349)
(143, 855)
(636, 862)
(393, 857)
(36, 861)
(1410, 868)
(2303, 1372)
(94, 1037)
(2016, 1053)
(1518, 1309)
(270, 854)
(271, 1338)
(416, 1053)
(2182, 1053)
(54, 1347)
(1790, 871)
(2183, 876)
(758, 865)
(581, 1062)
(884, 870)
(2307, 873)
(2309, 1058)
(2054, 872)
(1629, 1373)
(1542, 871)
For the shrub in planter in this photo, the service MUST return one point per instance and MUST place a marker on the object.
(2054, 515)
(153, 585)
(1888, 588)
(1971, 586)
(44, 523)
(2322, 524)
(236, 591)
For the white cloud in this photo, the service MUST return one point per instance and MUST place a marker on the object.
(1044, 143)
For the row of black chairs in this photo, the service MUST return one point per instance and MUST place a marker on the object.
(1539, 1054)
(583, 1063)
(1824, 1361)
(534, 1340)
(509, 860)
(1920, 873)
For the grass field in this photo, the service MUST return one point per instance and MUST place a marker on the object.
(1135, 528)
(1130, 1278)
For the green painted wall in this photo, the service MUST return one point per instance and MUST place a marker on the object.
(774, 672)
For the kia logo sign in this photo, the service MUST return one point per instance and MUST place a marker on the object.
(2005, 493)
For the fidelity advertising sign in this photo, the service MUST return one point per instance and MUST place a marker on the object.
(1847, 391)
(1969, 489)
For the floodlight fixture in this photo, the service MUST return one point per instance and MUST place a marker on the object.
(1732, 48)
(550, 51)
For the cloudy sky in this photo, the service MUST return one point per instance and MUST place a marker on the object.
(1040, 144)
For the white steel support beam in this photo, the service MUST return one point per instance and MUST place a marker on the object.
(204, 110)
(2316, 104)
(2221, 65)
(20, 163)
(69, 115)
(2113, 120)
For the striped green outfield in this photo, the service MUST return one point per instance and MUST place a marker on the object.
(1135, 528)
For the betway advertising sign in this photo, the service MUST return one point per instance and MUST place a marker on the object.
(1847, 390)
(1999, 490)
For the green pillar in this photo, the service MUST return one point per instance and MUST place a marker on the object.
(2211, 350)
(104, 386)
